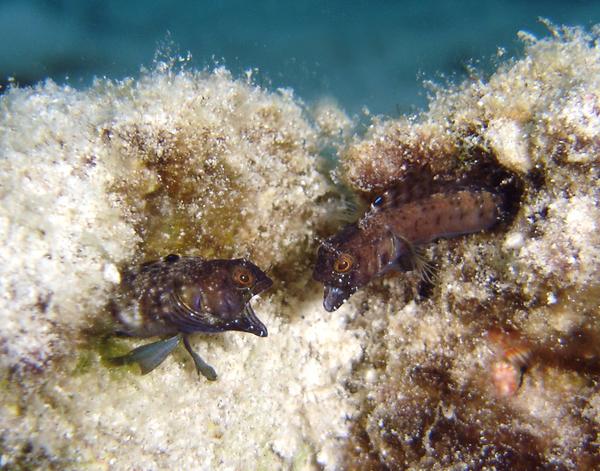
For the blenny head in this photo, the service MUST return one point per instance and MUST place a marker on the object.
(343, 266)
(220, 295)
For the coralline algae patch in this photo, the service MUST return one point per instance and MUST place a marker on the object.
(446, 394)
(177, 161)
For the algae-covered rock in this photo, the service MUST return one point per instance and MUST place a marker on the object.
(97, 180)
(521, 299)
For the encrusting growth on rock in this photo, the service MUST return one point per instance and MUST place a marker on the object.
(178, 161)
(449, 389)
(96, 181)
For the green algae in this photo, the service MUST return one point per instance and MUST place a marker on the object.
(182, 202)
(95, 354)
(84, 364)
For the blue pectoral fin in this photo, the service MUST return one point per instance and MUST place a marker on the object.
(202, 367)
(149, 356)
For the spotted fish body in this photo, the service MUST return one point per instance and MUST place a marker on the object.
(387, 237)
(177, 296)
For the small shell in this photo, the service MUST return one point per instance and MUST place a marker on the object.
(519, 355)
(506, 378)
(513, 356)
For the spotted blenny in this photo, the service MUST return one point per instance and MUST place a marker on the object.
(388, 236)
(177, 296)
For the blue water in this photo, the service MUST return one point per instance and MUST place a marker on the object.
(361, 53)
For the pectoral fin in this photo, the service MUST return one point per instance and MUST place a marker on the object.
(149, 356)
(410, 257)
(202, 367)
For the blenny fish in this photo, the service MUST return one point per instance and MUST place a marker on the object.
(177, 296)
(388, 236)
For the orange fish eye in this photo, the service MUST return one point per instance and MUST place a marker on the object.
(343, 263)
(243, 277)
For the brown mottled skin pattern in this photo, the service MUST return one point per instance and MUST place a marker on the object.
(385, 238)
(439, 215)
(189, 294)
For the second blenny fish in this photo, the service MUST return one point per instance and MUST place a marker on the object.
(387, 237)
(177, 296)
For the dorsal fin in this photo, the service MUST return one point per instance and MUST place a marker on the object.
(417, 184)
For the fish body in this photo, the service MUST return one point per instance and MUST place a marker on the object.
(177, 296)
(387, 237)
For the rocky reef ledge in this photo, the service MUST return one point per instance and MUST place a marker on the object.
(495, 363)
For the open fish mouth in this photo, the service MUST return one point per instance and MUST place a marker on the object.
(249, 322)
(334, 297)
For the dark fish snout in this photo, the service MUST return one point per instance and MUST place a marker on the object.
(262, 284)
(255, 326)
(334, 297)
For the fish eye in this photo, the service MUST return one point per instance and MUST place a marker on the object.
(343, 263)
(378, 201)
(171, 258)
(243, 277)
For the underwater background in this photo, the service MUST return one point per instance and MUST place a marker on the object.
(372, 54)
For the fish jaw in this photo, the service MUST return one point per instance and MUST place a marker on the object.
(248, 322)
(334, 297)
